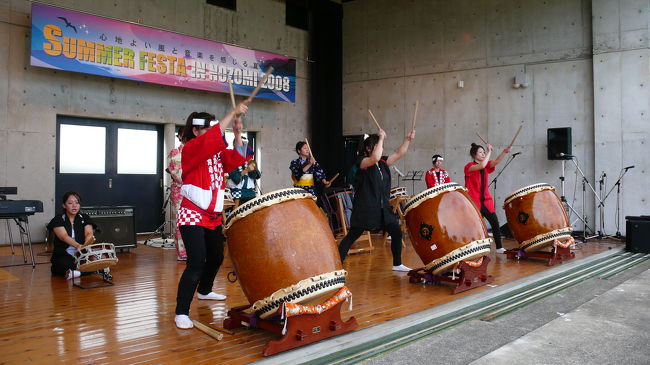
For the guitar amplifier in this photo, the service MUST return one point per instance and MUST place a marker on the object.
(114, 225)
(637, 231)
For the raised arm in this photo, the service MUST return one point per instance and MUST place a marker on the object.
(502, 155)
(242, 108)
(402, 149)
(375, 156)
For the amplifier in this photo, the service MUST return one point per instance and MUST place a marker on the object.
(637, 231)
(115, 224)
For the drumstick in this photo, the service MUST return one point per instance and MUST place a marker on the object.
(415, 114)
(259, 85)
(208, 330)
(309, 147)
(482, 139)
(334, 178)
(89, 241)
(373, 118)
(232, 94)
(516, 134)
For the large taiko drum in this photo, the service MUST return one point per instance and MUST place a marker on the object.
(283, 251)
(445, 227)
(95, 257)
(536, 217)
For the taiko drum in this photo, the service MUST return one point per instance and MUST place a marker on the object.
(283, 251)
(536, 217)
(95, 257)
(445, 227)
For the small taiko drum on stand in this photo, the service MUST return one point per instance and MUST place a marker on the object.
(398, 192)
(284, 252)
(447, 231)
(97, 256)
(537, 220)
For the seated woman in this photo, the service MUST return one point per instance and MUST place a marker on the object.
(71, 230)
(242, 181)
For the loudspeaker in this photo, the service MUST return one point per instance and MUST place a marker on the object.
(559, 143)
(114, 225)
(637, 233)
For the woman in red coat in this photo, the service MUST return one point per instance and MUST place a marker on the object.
(436, 176)
(477, 175)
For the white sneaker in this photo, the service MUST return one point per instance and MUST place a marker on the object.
(183, 321)
(500, 250)
(72, 274)
(401, 268)
(211, 296)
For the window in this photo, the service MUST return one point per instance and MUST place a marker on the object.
(82, 149)
(137, 151)
(297, 14)
(228, 4)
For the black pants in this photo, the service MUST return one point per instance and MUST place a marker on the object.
(393, 229)
(494, 223)
(204, 249)
(62, 263)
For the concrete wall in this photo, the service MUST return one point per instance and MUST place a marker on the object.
(398, 52)
(621, 32)
(32, 97)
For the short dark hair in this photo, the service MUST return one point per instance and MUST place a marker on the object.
(434, 158)
(188, 134)
(299, 145)
(474, 149)
(368, 144)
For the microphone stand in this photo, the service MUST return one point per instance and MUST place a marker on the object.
(494, 181)
(617, 185)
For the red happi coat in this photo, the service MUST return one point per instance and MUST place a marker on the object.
(204, 160)
(432, 179)
(473, 185)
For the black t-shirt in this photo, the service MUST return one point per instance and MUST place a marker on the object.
(61, 220)
(371, 206)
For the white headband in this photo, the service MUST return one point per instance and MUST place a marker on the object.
(439, 159)
(201, 122)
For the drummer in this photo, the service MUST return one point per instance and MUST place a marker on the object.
(477, 175)
(371, 208)
(436, 176)
(205, 160)
(71, 230)
(305, 170)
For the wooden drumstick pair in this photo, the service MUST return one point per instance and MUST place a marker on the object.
(415, 114)
(257, 89)
(511, 143)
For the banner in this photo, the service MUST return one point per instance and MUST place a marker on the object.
(72, 41)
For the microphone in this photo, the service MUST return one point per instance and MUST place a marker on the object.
(515, 154)
(562, 154)
(401, 174)
(629, 167)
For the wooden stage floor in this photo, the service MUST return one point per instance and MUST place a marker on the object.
(47, 320)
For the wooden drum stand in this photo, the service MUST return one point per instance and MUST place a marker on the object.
(472, 275)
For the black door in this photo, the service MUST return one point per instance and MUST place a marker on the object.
(112, 163)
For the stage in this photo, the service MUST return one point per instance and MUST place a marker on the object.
(46, 319)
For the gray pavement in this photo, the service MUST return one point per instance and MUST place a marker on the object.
(600, 321)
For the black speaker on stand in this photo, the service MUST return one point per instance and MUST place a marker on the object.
(114, 225)
(559, 143)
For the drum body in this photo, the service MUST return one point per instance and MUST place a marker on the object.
(283, 250)
(446, 227)
(396, 192)
(536, 217)
(95, 257)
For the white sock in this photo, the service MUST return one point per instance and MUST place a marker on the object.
(72, 274)
(211, 296)
(183, 321)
